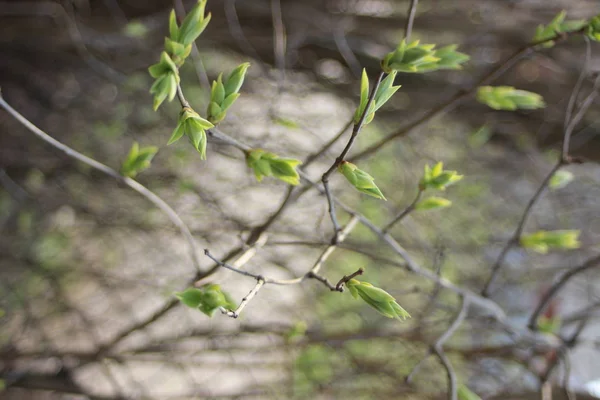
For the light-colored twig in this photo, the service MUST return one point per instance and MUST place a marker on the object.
(410, 18)
(403, 213)
(236, 313)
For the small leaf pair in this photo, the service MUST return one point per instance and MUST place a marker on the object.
(207, 299)
(377, 298)
(192, 26)
(137, 160)
(543, 241)
(194, 127)
(593, 28)
(384, 92)
(362, 181)
(416, 57)
(509, 98)
(264, 163)
(167, 78)
(224, 93)
(437, 178)
(544, 33)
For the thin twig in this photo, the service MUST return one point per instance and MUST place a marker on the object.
(138, 187)
(410, 18)
(259, 284)
(404, 212)
(340, 285)
(311, 158)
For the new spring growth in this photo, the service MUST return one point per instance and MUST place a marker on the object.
(207, 299)
(377, 298)
(509, 98)
(362, 181)
(224, 93)
(437, 178)
(192, 26)
(543, 241)
(194, 127)
(137, 160)
(558, 25)
(167, 78)
(593, 28)
(384, 92)
(264, 163)
(416, 57)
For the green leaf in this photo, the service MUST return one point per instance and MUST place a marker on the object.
(190, 297)
(593, 29)
(438, 178)
(560, 179)
(194, 24)
(543, 241)
(137, 160)
(544, 33)
(207, 299)
(364, 96)
(416, 57)
(361, 180)
(236, 79)
(173, 28)
(377, 298)
(509, 98)
(264, 163)
(432, 203)
(464, 393)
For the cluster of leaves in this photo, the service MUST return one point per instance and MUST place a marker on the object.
(167, 78)
(438, 179)
(264, 163)
(207, 299)
(542, 241)
(224, 94)
(362, 181)
(509, 98)
(137, 160)
(194, 127)
(416, 57)
(558, 25)
(377, 298)
(384, 92)
(593, 28)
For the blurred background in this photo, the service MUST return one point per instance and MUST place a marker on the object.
(88, 268)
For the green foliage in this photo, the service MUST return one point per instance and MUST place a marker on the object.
(415, 57)
(194, 127)
(432, 203)
(166, 80)
(544, 33)
(138, 159)
(377, 298)
(192, 26)
(384, 92)
(560, 179)
(509, 98)
(464, 393)
(224, 94)
(264, 163)
(542, 241)
(593, 28)
(362, 181)
(437, 178)
(207, 299)
(549, 324)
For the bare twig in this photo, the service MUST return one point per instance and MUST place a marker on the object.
(340, 285)
(138, 187)
(403, 213)
(410, 18)
(259, 284)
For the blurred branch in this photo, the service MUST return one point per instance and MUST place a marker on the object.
(410, 18)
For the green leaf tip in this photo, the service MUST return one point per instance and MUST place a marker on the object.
(207, 299)
(264, 163)
(379, 299)
(419, 58)
(194, 127)
(437, 178)
(166, 80)
(545, 35)
(593, 28)
(384, 92)
(543, 241)
(509, 98)
(432, 203)
(362, 181)
(224, 93)
(137, 160)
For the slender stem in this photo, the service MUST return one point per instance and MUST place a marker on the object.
(412, 12)
(138, 187)
(311, 158)
(514, 240)
(347, 278)
(259, 284)
(403, 213)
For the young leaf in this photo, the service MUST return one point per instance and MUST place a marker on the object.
(438, 178)
(377, 298)
(593, 29)
(207, 299)
(560, 179)
(544, 33)
(137, 160)
(361, 180)
(236, 79)
(194, 23)
(194, 127)
(190, 297)
(509, 98)
(416, 57)
(264, 163)
(432, 203)
(542, 241)
(364, 96)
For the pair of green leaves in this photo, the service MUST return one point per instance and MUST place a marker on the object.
(544, 33)
(138, 159)
(384, 92)
(362, 181)
(192, 26)
(438, 179)
(207, 299)
(377, 298)
(224, 93)
(593, 28)
(194, 127)
(264, 163)
(542, 241)
(420, 58)
(167, 78)
(509, 98)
